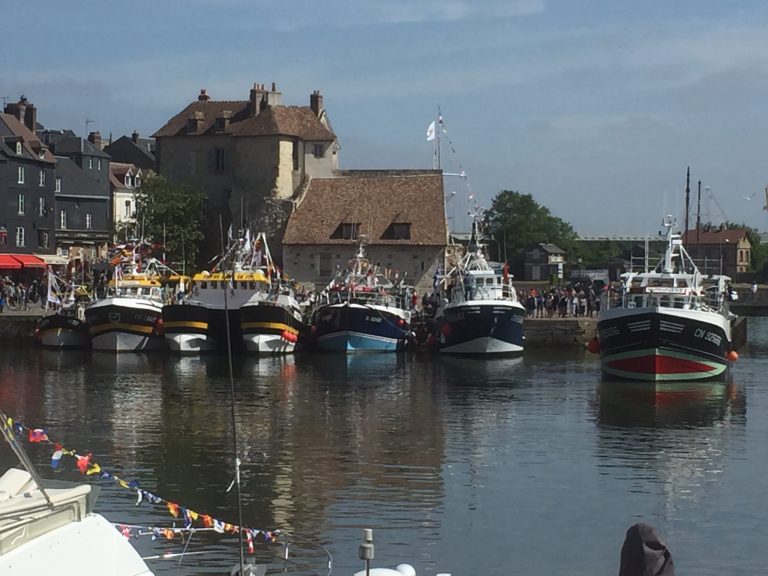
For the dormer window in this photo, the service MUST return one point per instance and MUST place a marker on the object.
(90, 162)
(346, 231)
(98, 164)
(397, 231)
(318, 150)
(18, 148)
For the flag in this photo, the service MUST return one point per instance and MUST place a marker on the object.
(56, 457)
(83, 462)
(229, 233)
(247, 245)
(38, 435)
(431, 131)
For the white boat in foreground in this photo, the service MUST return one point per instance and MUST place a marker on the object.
(53, 530)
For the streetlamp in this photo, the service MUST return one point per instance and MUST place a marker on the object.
(721, 254)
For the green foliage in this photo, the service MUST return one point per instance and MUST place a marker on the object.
(516, 220)
(173, 212)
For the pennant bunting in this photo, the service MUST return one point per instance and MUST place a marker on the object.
(173, 509)
(38, 435)
(56, 457)
(83, 462)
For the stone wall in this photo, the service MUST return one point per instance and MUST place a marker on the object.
(17, 329)
(557, 332)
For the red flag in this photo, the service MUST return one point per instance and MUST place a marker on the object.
(83, 462)
(173, 509)
(38, 435)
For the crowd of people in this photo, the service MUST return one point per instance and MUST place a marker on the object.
(19, 295)
(575, 301)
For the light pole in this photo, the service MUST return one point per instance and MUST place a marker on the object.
(721, 254)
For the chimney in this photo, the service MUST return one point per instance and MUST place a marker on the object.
(135, 137)
(257, 95)
(274, 98)
(316, 102)
(203, 96)
(95, 139)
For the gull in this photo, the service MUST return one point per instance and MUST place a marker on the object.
(750, 196)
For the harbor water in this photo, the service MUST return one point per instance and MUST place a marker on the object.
(527, 465)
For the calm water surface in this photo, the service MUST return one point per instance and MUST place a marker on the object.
(496, 467)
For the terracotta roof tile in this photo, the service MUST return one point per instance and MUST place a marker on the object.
(714, 236)
(298, 121)
(31, 142)
(374, 200)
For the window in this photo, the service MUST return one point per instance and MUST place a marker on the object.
(128, 182)
(41, 205)
(58, 185)
(398, 231)
(295, 152)
(90, 162)
(42, 177)
(98, 164)
(18, 148)
(63, 220)
(41, 154)
(21, 175)
(42, 239)
(218, 158)
(318, 150)
(20, 236)
(324, 265)
(88, 221)
(127, 213)
(21, 204)
(346, 231)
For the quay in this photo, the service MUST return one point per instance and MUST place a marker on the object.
(18, 327)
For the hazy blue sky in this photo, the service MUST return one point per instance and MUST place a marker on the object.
(595, 108)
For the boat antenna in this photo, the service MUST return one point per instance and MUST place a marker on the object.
(687, 197)
(698, 219)
(236, 480)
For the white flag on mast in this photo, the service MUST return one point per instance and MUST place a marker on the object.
(431, 131)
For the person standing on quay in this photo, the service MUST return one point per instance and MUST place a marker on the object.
(754, 291)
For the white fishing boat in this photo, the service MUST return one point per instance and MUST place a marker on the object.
(668, 324)
(63, 323)
(480, 313)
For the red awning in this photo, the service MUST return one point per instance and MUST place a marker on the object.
(28, 260)
(8, 262)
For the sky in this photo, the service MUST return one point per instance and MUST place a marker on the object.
(594, 108)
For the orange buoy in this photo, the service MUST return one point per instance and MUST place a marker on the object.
(733, 355)
(594, 345)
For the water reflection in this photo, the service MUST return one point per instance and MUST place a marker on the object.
(668, 440)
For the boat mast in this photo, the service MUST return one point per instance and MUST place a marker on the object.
(236, 480)
(687, 197)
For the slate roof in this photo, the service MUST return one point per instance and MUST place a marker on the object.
(76, 145)
(76, 182)
(125, 150)
(547, 248)
(714, 236)
(278, 120)
(374, 200)
(10, 126)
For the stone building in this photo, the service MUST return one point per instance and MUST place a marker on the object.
(719, 250)
(250, 157)
(400, 215)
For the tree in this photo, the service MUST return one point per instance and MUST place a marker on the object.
(171, 213)
(516, 220)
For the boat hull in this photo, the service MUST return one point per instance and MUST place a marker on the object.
(659, 345)
(269, 328)
(125, 325)
(482, 328)
(193, 328)
(350, 327)
(63, 331)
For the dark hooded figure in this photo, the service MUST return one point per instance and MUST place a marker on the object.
(644, 554)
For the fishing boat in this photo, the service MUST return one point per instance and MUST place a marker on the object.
(129, 319)
(668, 324)
(480, 312)
(361, 310)
(50, 528)
(270, 324)
(197, 320)
(63, 323)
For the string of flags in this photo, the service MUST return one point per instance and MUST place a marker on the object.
(434, 130)
(193, 520)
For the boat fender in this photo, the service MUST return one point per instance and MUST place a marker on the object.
(733, 355)
(401, 570)
(594, 345)
(159, 326)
